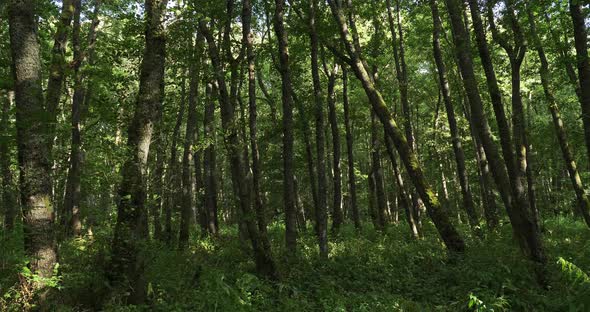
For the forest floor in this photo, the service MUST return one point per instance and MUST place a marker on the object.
(369, 271)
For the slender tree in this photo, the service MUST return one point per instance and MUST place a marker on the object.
(287, 99)
(57, 67)
(566, 151)
(447, 231)
(131, 227)
(188, 197)
(248, 42)
(350, 151)
(71, 215)
(522, 225)
(264, 262)
(583, 62)
(455, 137)
(8, 199)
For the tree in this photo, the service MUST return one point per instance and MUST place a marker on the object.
(522, 225)
(349, 151)
(287, 99)
(455, 139)
(131, 227)
(264, 262)
(248, 42)
(447, 231)
(583, 62)
(188, 198)
(71, 216)
(560, 132)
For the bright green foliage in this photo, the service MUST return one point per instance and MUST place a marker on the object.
(365, 272)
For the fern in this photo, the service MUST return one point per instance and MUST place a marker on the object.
(579, 285)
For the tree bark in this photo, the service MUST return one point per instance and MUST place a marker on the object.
(188, 179)
(287, 99)
(350, 152)
(57, 66)
(522, 224)
(248, 42)
(8, 199)
(583, 62)
(32, 140)
(71, 217)
(447, 231)
(321, 214)
(173, 183)
(566, 151)
(131, 227)
(455, 136)
(209, 217)
(264, 263)
(337, 214)
(380, 207)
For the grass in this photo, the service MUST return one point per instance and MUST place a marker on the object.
(366, 271)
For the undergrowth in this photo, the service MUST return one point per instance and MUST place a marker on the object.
(366, 271)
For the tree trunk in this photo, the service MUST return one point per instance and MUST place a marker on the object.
(350, 152)
(583, 61)
(57, 66)
(485, 180)
(404, 199)
(577, 185)
(380, 206)
(71, 217)
(322, 206)
(264, 262)
(248, 42)
(447, 231)
(455, 136)
(522, 225)
(209, 218)
(32, 140)
(287, 99)
(402, 78)
(8, 199)
(337, 214)
(131, 227)
(188, 198)
(173, 183)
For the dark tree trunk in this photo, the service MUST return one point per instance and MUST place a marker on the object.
(264, 263)
(32, 140)
(57, 66)
(447, 231)
(209, 219)
(583, 62)
(71, 216)
(248, 42)
(380, 207)
(287, 99)
(321, 214)
(485, 180)
(350, 152)
(566, 151)
(173, 180)
(157, 181)
(522, 224)
(189, 199)
(402, 79)
(8, 199)
(516, 52)
(337, 214)
(131, 227)
(455, 136)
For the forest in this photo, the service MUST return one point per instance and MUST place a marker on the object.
(294, 155)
